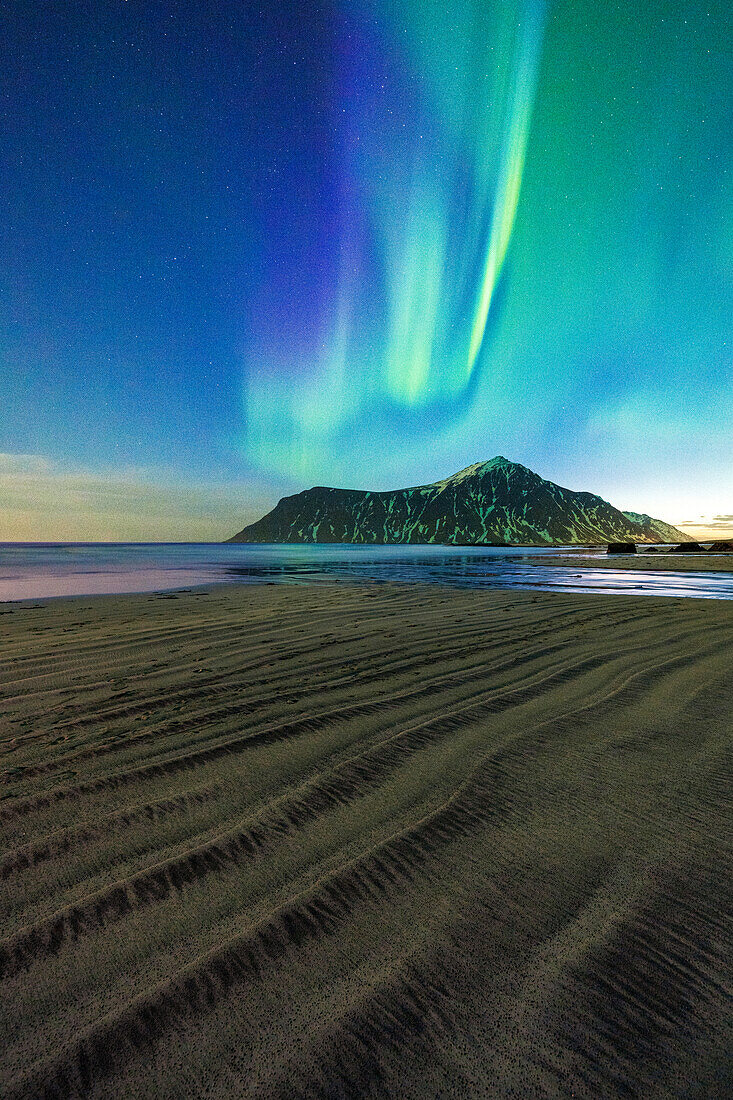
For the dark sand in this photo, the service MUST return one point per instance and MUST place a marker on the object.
(365, 841)
(677, 563)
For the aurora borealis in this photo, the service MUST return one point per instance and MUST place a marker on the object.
(365, 244)
(428, 162)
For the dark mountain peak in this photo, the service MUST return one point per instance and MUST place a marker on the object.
(487, 502)
(482, 469)
(496, 463)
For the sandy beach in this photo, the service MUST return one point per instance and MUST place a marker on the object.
(366, 840)
(660, 562)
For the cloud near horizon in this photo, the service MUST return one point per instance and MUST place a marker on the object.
(705, 528)
(45, 501)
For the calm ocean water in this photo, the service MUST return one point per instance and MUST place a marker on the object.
(36, 570)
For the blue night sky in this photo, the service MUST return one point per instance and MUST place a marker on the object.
(250, 249)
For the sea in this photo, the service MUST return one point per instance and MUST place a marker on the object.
(32, 571)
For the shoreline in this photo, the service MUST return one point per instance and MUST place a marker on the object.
(71, 586)
(661, 562)
(120, 570)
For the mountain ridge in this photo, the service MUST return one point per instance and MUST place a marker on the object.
(493, 501)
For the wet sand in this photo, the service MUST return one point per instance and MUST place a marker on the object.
(354, 841)
(678, 563)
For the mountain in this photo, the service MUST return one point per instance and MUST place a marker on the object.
(495, 501)
(665, 531)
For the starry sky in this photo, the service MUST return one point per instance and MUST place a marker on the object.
(247, 249)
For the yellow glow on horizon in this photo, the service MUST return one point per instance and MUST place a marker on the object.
(39, 503)
(708, 531)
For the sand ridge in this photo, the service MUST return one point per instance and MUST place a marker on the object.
(368, 840)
